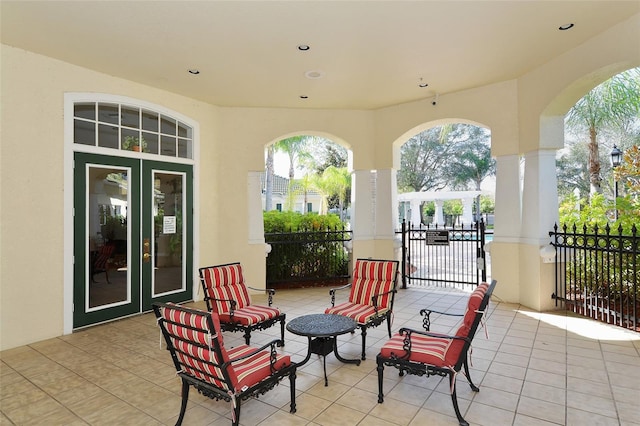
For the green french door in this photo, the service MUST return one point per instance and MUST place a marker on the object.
(133, 234)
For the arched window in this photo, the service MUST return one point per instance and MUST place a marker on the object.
(131, 128)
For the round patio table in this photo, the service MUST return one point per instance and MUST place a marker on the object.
(321, 330)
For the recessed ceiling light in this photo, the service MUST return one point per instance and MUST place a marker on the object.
(422, 83)
(565, 27)
(303, 47)
(304, 97)
(314, 75)
(194, 71)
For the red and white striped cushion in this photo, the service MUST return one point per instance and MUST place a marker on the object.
(250, 315)
(255, 368)
(472, 306)
(360, 313)
(189, 333)
(424, 349)
(371, 277)
(226, 282)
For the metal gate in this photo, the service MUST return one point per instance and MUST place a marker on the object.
(443, 256)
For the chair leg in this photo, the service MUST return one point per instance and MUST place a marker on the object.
(454, 398)
(466, 372)
(247, 335)
(185, 398)
(380, 369)
(281, 342)
(236, 412)
(292, 386)
(389, 323)
(364, 342)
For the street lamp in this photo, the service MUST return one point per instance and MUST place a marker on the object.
(616, 160)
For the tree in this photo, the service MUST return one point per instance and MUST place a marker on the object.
(612, 103)
(269, 180)
(422, 157)
(572, 170)
(628, 173)
(293, 147)
(472, 163)
(322, 153)
(338, 182)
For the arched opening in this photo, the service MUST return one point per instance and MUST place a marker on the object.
(305, 193)
(446, 156)
(444, 168)
(597, 222)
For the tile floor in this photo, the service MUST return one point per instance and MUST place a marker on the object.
(532, 369)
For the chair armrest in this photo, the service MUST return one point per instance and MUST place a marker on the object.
(410, 331)
(374, 298)
(231, 301)
(270, 292)
(272, 345)
(426, 322)
(332, 292)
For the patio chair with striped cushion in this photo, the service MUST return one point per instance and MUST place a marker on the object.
(425, 353)
(226, 294)
(373, 290)
(234, 375)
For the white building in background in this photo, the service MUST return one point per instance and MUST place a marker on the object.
(410, 205)
(280, 196)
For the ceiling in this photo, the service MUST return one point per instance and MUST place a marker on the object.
(368, 54)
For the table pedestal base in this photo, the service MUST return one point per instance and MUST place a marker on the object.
(324, 346)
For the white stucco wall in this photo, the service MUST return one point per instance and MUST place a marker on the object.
(231, 146)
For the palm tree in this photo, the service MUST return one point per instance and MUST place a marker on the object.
(293, 147)
(336, 182)
(609, 104)
(269, 180)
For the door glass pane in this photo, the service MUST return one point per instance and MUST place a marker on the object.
(168, 199)
(107, 209)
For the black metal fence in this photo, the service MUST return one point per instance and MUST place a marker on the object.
(319, 256)
(446, 256)
(597, 273)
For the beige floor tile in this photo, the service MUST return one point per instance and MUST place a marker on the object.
(487, 415)
(395, 411)
(592, 403)
(628, 412)
(543, 392)
(522, 420)
(358, 399)
(432, 418)
(529, 373)
(497, 398)
(339, 415)
(580, 417)
(281, 418)
(441, 402)
(536, 408)
(309, 406)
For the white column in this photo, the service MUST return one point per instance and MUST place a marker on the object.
(362, 205)
(508, 199)
(438, 217)
(415, 213)
(540, 196)
(467, 210)
(386, 215)
(254, 206)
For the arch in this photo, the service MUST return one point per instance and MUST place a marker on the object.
(568, 96)
(402, 139)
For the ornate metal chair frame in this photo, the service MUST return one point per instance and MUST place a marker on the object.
(195, 342)
(242, 315)
(367, 305)
(452, 349)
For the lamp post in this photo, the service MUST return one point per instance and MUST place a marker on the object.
(616, 160)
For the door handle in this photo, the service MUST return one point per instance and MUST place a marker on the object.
(146, 250)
